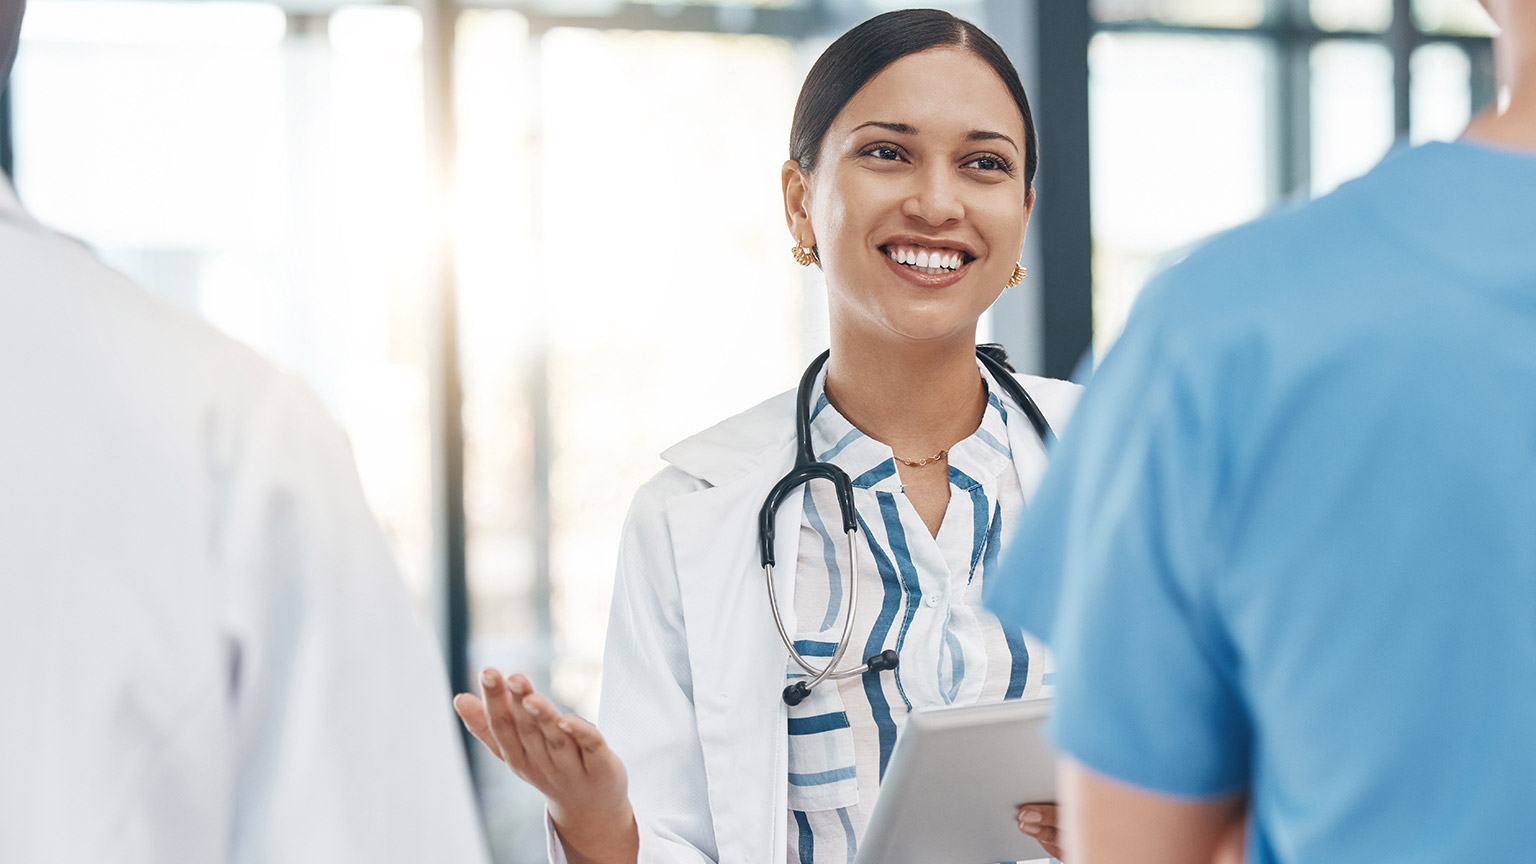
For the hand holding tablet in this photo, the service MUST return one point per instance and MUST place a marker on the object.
(1043, 822)
(956, 780)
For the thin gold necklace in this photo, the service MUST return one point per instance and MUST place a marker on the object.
(918, 463)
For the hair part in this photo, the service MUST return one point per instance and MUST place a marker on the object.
(865, 51)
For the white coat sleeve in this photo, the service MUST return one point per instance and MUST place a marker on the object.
(646, 711)
(347, 750)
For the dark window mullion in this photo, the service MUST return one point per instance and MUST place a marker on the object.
(1288, 30)
(7, 151)
(1291, 119)
(1291, 108)
(1484, 79)
(1401, 39)
(1062, 33)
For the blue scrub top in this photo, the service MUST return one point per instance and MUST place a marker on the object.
(1288, 544)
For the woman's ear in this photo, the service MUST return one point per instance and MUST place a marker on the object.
(797, 204)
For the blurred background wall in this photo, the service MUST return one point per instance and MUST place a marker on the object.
(520, 246)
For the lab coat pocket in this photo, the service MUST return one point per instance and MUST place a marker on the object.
(821, 761)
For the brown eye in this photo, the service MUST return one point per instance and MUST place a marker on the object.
(989, 163)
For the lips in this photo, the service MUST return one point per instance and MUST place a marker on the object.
(929, 257)
(927, 265)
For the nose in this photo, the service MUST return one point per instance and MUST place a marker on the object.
(935, 197)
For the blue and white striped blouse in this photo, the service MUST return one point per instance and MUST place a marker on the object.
(920, 595)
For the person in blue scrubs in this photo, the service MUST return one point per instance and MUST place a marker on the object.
(1293, 531)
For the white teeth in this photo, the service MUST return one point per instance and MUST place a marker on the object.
(929, 261)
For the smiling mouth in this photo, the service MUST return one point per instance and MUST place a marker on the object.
(933, 262)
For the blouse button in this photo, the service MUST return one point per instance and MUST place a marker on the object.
(933, 600)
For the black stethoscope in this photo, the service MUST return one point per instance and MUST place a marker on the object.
(807, 469)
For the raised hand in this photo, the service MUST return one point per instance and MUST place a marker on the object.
(564, 757)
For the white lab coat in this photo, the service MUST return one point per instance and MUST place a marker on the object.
(694, 668)
(205, 652)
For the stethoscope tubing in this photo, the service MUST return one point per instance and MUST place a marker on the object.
(806, 469)
(850, 609)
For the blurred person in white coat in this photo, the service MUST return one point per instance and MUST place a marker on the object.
(192, 594)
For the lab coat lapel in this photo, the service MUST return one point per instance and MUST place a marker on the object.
(1056, 400)
(738, 660)
(1029, 458)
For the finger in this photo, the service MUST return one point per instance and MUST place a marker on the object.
(527, 725)
(472, 711)
(586, 735)
(1039, 822)
(501, 710)
(564, 755)
(1046, 835)
(1054, 851)
(1047, 814)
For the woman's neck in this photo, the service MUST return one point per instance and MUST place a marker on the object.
(917, 400)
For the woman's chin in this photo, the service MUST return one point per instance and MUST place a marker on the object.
(897, 315)
(930, 326)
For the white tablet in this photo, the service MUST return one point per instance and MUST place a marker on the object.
(952, 790)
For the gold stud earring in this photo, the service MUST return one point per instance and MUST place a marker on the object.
(1018, 275)
(803, 256)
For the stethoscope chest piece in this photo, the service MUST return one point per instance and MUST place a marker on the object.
(795, 693)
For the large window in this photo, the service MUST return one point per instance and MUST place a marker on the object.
(265, 171)
(1206, 113)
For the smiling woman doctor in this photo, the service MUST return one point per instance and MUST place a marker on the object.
(909, 184)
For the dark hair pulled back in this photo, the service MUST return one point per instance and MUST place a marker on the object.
(861, 53)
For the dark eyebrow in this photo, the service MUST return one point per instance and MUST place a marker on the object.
(904, 129)
(898, 128)
(980, 135)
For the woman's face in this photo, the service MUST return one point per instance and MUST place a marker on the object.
(917, 205)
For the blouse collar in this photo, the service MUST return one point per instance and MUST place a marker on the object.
(975, 460)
